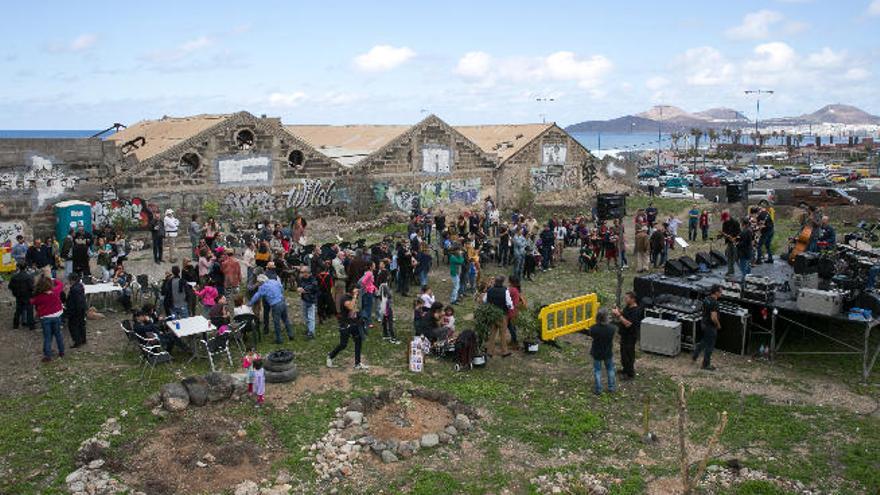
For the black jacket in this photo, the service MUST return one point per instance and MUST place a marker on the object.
(76, 300)
(22, 286)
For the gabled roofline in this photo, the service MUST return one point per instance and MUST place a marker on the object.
(419, 125)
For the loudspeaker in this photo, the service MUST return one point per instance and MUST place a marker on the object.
(689, 264)
(610, 206)
(719, 258)
(737, 192)
(706, 259)
(674, 268)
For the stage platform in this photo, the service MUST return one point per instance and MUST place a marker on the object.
(772, 319)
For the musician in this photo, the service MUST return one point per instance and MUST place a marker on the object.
(827, 234)
(744, 248)
(710, 324)
(765, 226)
(730, 232)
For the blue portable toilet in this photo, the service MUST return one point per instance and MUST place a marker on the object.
(71, 215)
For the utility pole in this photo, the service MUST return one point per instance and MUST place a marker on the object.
(758, 93)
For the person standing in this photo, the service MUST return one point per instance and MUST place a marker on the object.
(272, 294)
(730, 231)
(710, 324)
(499, 296)
(693, 222)
(456, 260)
(602, 352)
(704, 224)
(171, 225)
(22, 287)
(744, 249)
(630, 318)
(349, 327)
(76, 310)
(307, 286)
(156, 225)
(765, 224)
(195, 234)
(47, 302)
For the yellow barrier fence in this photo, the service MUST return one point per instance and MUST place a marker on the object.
(569, 316)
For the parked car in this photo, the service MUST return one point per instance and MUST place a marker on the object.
(679, 193)
(763, 197)
(821, 196)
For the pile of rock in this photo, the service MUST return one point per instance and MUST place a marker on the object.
(732, 474)
(569, 483)
(196, 391)
(90, 478)
(348, 438)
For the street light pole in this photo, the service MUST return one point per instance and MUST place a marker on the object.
(758, 93)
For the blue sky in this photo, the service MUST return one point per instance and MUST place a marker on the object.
(85, 65)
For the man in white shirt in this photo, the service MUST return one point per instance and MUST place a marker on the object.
(171, 226)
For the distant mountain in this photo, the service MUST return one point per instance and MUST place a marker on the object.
(671, 119)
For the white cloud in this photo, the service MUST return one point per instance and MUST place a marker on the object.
(286, 99)
(382, 58)
(474, 65)
(656, 82)
(856, 74)
(562, 66)
(874, 8)
(180, 51)
(705, 66)
(755, 25)
(81, 43)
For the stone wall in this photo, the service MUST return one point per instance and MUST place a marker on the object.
(35, 174)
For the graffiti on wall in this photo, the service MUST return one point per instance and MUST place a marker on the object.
(430, 194)
(436, 159)
(553, 154)
(249, 203)
(545, 179)
(311, 193)
(110, 211)
(41, 177)
(244, 170)
(9, 231)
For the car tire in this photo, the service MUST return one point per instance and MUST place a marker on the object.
(281, 377)
(280, 356)
(278, 367)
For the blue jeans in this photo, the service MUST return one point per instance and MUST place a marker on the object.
(764, 242)
(181, 311)
(745, 267)
(309, 310)
(609, 369)
(456, 285)
(367, 307)
(52, 328)
(279, 314)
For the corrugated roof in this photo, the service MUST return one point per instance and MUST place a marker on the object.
(503, 140)
(347, 144)
(164, 133)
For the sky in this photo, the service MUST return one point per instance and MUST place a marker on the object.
(86, 65)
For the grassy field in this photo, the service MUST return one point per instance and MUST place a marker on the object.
(540, 416)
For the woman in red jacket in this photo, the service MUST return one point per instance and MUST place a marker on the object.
(47, 302)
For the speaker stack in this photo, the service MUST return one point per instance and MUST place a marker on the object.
(610, 206)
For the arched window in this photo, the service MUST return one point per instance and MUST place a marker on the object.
(244, 139)
(295, 158)
(190, 163)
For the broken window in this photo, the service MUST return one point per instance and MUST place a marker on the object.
(244, 139)
(190, 163)
(295, 158)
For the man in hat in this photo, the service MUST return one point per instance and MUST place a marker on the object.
(171, 226)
